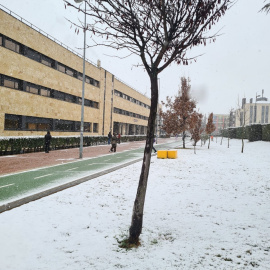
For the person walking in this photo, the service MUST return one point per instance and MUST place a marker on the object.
(114, 143)
(154, 140)
(109, 137)
(47, 138)
(119, 137)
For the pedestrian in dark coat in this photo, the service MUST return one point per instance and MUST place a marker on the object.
(48, 138)
(154, 140)
(114, 143)
(109, 137)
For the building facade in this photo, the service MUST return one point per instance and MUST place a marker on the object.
(221, 121)
(41, 89)
(253, 112)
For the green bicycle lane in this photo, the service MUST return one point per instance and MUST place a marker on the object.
(48, 180)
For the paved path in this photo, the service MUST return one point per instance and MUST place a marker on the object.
(65, 171)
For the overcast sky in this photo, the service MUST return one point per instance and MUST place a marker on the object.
(237, 65)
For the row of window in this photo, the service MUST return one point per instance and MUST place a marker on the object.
(135, 115)
(253, 114)
(41, 58)
(122, 95)
(17, 84)
(30, 123)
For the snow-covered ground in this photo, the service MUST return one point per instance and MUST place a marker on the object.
(205, 211)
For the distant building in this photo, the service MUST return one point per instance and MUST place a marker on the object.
(254, 112)
(221, 121)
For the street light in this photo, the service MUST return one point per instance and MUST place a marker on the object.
(83, 82)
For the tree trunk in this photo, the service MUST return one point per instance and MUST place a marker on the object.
(138, 207)
(184, 137)
(228, 142)
(209, 142)
(242, 151)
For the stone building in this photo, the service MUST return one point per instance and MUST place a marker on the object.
(254, 112)
(41, 88)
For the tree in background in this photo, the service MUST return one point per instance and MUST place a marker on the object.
(210, 127)
(242, 113)
(177, 118)
(196, 128)
(231, 121)
(159, 32)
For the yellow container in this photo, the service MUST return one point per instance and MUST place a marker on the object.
(172, 153)
(162, 154)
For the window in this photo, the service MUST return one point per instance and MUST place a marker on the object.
(87, 79)
(263, 114)
(255, 114)
(87, 127)
(251, 114)
(80, 76)
(266, 114)
(69, 71)
(95, 127)
(31, 126)
(12, 122)
(36, 123)
(11, 82)
(96, 83)
(61, 68)
(69, 98)
(64, 125)
(47, 61)
(43, 126)
(33, 55)
(45, 92)
(31, 88)
(12, 45)
(1, 40)
(59, 95)
(88, 103)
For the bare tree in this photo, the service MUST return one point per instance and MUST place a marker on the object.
(160, 32)
(196, 128)
(224, 125)
(230, 124)
(242, 115)
(266, 8)
(210, 127)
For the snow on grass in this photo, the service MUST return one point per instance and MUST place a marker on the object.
(205, 211)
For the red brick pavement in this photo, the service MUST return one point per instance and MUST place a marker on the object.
(24, 162)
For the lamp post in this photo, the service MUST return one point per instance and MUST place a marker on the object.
(83, 82)
(157, 116)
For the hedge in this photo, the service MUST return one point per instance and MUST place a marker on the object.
(253, 133)
(20, 145)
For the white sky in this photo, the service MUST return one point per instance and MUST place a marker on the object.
(235, 66)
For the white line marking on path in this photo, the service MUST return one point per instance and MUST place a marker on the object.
(103, 163)
(72, 169)
(43, 176)
(7, 185)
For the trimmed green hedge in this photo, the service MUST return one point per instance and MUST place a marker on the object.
(253, 133)
(20, 145)
(266, 133)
